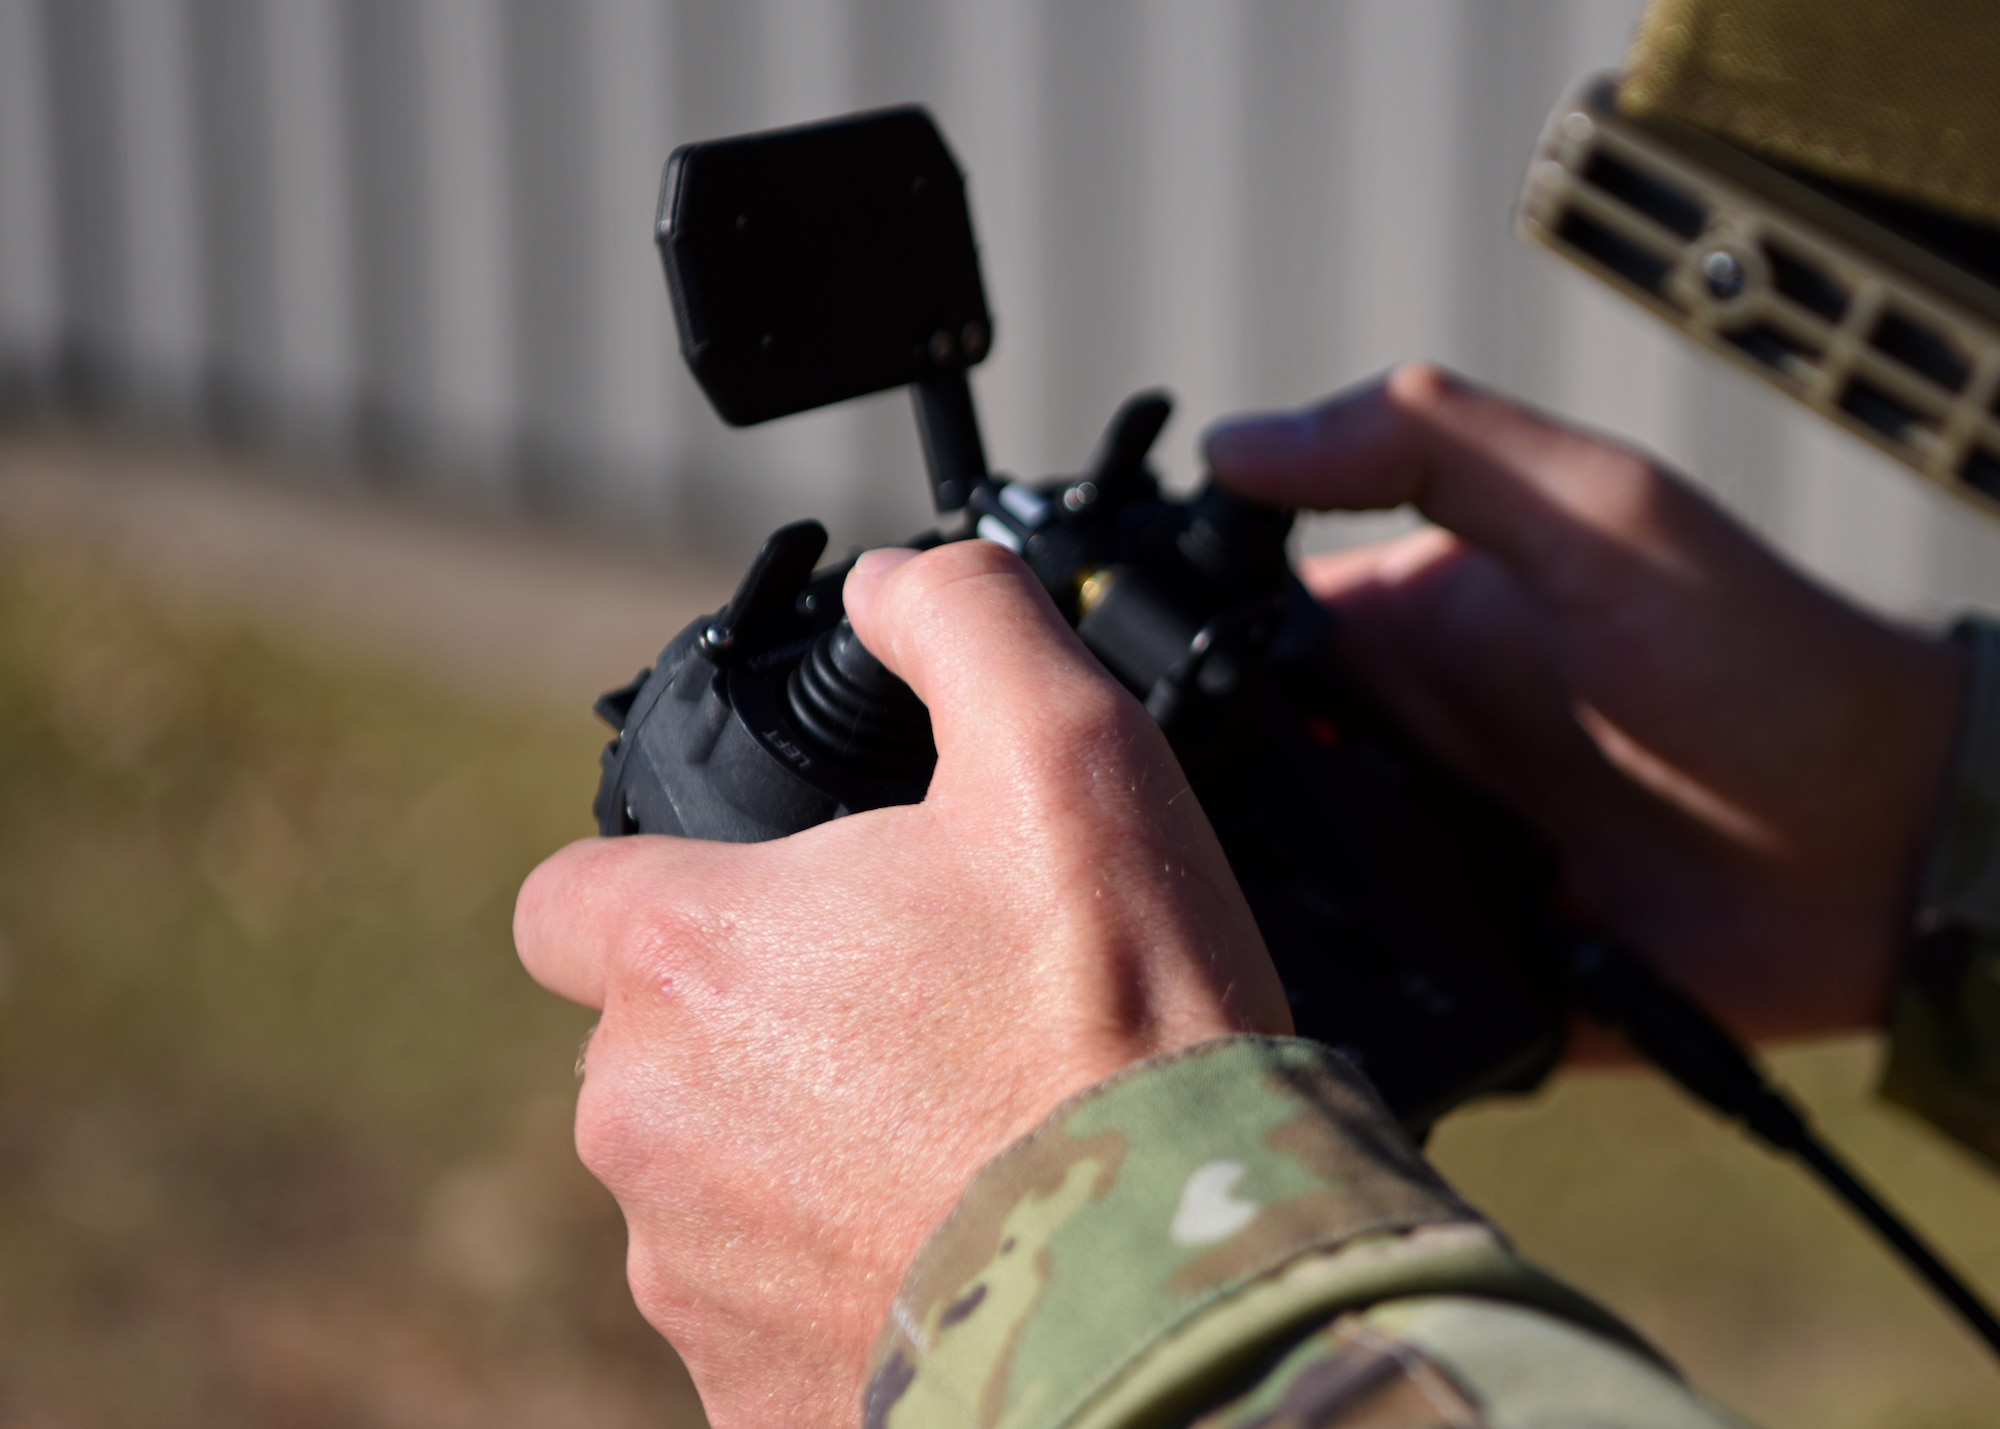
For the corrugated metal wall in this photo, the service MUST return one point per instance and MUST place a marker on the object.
(408, 241)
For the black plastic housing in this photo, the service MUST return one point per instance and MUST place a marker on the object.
(1410, 920)
(816, 264)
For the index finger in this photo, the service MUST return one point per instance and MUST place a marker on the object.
(574, 909)
(1563, 508)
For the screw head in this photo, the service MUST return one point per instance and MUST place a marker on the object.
(972, 338)
(1080, 496)
(1722, 274)
(944, 346)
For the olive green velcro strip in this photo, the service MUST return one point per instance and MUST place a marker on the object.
(1900, 96)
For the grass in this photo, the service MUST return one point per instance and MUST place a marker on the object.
(1778, 1305)
(283, 1126)
(284, 1129)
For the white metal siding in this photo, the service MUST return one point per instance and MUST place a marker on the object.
(413, 236)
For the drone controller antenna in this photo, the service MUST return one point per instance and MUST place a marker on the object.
(1120, 460)
(764, 605)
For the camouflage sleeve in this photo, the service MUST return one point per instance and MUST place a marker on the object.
(1944, 1030)
(1237, 1236)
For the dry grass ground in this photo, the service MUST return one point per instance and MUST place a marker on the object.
(283, 1127)
(284, 1130)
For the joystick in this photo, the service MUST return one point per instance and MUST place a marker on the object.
(853, 709)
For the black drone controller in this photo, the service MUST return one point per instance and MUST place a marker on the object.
(1411, 920)
(1408, 917)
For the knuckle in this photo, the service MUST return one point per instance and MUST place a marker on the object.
(542, 892)
(570, 874)
(606, 1135)
(558, 900)
(1641, 523)
(648, 1281)
(641, 901)
(1627, 491)
(1089, 709)
(962, 594)
(952, 572)
(973, 558)
(657, 1289)
(1420, 388)
(650, 943)
(1090, 725)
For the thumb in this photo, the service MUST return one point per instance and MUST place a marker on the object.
(1565, 510)
(969, 628)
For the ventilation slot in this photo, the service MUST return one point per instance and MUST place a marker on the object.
(1806, 284)
(1614, 251)
(1776, 348)
(1981, 472)
(1666, 205)
(1922, 350)
(1891, 416)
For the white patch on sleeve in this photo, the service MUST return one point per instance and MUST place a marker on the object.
(1209, 1212)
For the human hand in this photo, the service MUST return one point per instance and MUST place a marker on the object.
(809, 1046)
(1738, 768)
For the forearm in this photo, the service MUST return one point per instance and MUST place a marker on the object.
(1231, 1233)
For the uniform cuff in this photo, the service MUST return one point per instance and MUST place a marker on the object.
(1136, 1207)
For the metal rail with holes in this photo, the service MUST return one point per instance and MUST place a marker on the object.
(1839, 312)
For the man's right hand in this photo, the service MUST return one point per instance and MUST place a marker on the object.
(1739, 769)
(809, 1046)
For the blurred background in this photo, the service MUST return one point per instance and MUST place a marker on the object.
(345, 454)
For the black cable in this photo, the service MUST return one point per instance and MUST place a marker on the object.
(1682, 1040)
(1849, 1187)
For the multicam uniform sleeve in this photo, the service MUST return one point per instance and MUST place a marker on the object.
(1944, 1030)
(1238, 1236)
